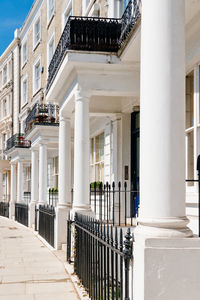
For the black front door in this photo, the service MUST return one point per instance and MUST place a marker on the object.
(135, 160)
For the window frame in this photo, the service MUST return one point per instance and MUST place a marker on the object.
(36, 89)
(25, 78)
(36, 43)
(49, 17)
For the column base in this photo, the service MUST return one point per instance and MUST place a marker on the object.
(166, 268)
(62, 215)
(163, 227)
(83, 210)
(12, 210)
(31, 215)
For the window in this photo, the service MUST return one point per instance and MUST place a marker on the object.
(97, 157)
(24, 53)
(37, 77)
(67, 14)
(55, 171)
(5, 74)
(189, 100)
(4, 141)
(5, 111)
(37, 32)
(50, 50)
(50, 9)
(24, 91)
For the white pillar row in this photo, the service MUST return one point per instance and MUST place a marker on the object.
(195, 121)
(162, 125)
(81, 153)
(13, 191)
(64, 161)
(34, 186)
(20, 183)
(42, 173)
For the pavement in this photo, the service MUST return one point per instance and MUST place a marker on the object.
(28, 269)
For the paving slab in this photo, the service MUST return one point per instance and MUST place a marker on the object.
(28, 269)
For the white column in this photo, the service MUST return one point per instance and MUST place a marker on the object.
(81, 153)
(42, 173)
(12, 191)
(20, 183)
(64, 204)
(1, 186)
(64, 162)
(195, 121)
(34, 186)
(162, 152)
(34, 176)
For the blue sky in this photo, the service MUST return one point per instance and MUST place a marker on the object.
(12, 16)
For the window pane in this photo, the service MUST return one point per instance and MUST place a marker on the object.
(190, 156)
(189, 99)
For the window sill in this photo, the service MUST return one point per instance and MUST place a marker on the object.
(23, 105)
(36, 45)
(36, 92)
(24, 64)
(50, 20)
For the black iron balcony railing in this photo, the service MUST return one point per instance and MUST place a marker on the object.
(42, 114)
(17, 141)
(94, 34)
(129, 18)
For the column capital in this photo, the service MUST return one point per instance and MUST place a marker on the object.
(65, 115)
(81, 95)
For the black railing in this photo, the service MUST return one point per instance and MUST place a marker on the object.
(46, 223)
(102, 258)
(53, 197)
(130, 16)
(197, 181)
(69, 240)
(4, 209)
(42, 114)
(18, 141)
(21, 213)
(94, 34)
(114, 203)
(36, 218)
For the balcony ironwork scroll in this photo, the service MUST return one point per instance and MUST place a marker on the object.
(42, 114)
(129, 18)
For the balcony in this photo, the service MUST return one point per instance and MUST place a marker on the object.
(17, 141)
(94, 34)
(42, 114)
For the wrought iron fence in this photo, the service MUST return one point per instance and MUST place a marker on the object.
(4, 209)
(102, 258)
(46, 223)
(21, 213)
(36, 218)
(18, 141)
(94, 34)
(114, 203)
(42, 114)
(197, 181)
(53, 197)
